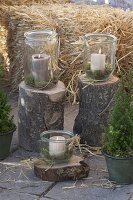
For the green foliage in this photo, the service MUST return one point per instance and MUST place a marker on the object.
(118, 140)
(46, 156)
(98, 74)
(6, 122)
(1, 71)
(40, 84)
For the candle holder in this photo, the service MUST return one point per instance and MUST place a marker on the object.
(41, 58)
(99, 56)
(58, 162)
(56, 146)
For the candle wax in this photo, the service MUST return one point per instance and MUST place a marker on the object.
(57, 146)
(98, 62)
(40, 67)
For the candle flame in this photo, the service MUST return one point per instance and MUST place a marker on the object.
(100, 51)
(39, 56)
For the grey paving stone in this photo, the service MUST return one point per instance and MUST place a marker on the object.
(92, 188)
(35, 188)
(9, 195)
(21, 179)
(43, 198)
(70, 114)
(81, 192)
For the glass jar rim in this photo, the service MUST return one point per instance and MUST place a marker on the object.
(112, 37)
(29, 35)
(69, 133)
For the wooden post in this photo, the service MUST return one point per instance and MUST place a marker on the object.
(96, 101)
(39, 110)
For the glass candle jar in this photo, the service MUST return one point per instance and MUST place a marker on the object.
(56, 146)
(99, 56)
(41, 58)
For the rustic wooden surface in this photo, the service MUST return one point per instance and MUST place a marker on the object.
(75, 169)
(96, 101)
(39, 110)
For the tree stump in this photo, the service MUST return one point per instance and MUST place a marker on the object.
(75, 169)
(39, 110)
(96, 101)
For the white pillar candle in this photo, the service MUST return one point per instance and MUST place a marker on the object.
(57, 146)
(40, 67)
(97, 62)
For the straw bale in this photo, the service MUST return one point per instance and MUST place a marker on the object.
(29, 2)
(3, 50)
(4, 60)
(71, 22)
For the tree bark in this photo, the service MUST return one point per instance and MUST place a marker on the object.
(39, 110)
(96, 101)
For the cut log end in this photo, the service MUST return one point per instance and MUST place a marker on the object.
(75, 169)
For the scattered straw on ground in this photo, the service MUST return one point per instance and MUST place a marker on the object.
(71, 22)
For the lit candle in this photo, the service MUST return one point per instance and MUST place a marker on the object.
(98, 61)
(57, 146)
(40, 67)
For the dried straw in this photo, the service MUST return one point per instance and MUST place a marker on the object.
(4, 61)
(29, 2)
(71, 22)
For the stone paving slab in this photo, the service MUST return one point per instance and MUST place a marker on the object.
(34, 188)
(96, 187)
(45, 198)
(68, 191)
(10, 195)
(18, 176)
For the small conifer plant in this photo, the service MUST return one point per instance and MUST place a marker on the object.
(6, 121)
(118, 138)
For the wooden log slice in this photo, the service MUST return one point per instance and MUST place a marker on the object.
(39, 110)
(75, 169)
(96, 101)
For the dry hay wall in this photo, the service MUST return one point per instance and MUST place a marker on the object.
(29, 2)
(4, 59)
(3, 47)
(7, 59)
(71, 22)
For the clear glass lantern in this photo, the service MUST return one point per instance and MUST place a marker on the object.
(56, 146)
(99, 56)
(41, 58)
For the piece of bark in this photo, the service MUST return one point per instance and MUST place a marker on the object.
(96, 101)
(75, 169)
(39, 110)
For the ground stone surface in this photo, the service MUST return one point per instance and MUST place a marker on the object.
(10, 195)
(90, 193)
(18, 182)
